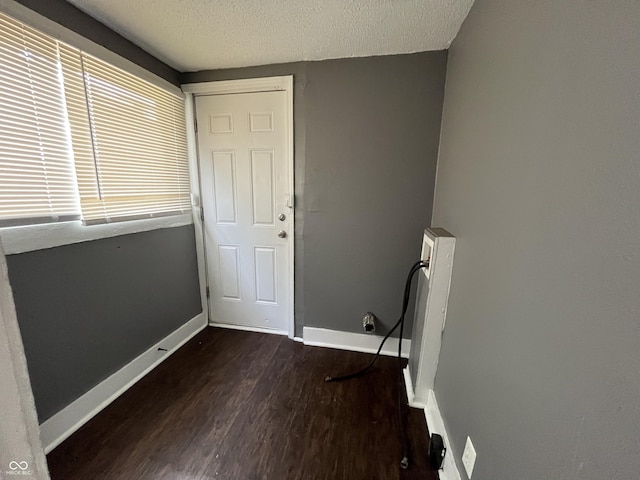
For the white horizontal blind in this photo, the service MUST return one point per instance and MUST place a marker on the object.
(79, 136)
(37, 181)
(137, 167)
(78, 114)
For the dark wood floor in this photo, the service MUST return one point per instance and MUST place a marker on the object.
(239, 405)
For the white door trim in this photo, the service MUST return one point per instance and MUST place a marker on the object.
(249, 85)
(194, 178)
(252, 85)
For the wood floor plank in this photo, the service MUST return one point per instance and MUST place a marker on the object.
(239, 405)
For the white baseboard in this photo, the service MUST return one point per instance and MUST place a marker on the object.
(357, 342)
(246, 328)
(408, 384)
(60, 426)
(435, 424)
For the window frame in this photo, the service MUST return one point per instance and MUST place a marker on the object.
(28, 238)
(25, 238)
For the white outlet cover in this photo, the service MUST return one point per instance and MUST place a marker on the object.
(469, 457)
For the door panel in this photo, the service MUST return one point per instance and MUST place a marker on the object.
(229, 267)
(266, 274)
(224, 188)
(245, 174)
(262, 187)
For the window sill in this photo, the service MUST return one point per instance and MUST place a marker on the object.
(38, 237)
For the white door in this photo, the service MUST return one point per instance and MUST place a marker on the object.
(246, 181)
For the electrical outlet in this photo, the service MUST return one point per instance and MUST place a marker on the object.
(469, 457)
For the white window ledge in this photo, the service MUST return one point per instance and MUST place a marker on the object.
(37, 237)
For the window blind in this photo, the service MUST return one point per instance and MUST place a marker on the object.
(135, 165)
(81, 138)
(37, 182)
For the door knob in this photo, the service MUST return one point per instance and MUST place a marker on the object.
(282, 234)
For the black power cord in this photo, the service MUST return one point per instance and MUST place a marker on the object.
(404, 463)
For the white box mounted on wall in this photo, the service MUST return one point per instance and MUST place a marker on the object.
(431, 309)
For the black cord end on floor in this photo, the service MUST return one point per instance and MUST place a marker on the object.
(328, 379)
(404, 463)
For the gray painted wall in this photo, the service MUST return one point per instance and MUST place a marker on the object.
(366, 133)
(85, 310)
(75, 19)
(538, 179)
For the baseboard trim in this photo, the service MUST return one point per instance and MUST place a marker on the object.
(246, 328)
(408, 384)
(64, 423)
(357, 342)
(435, 424)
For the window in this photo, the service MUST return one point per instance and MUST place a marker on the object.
(37, 182)
(81, 138)
(129, 135)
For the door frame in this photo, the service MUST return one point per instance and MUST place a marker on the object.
(224, 87)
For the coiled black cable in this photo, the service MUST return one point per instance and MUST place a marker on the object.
(404, 463)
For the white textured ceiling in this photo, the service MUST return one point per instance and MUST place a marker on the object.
(195, 35)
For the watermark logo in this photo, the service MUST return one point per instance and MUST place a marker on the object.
(18, 468)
